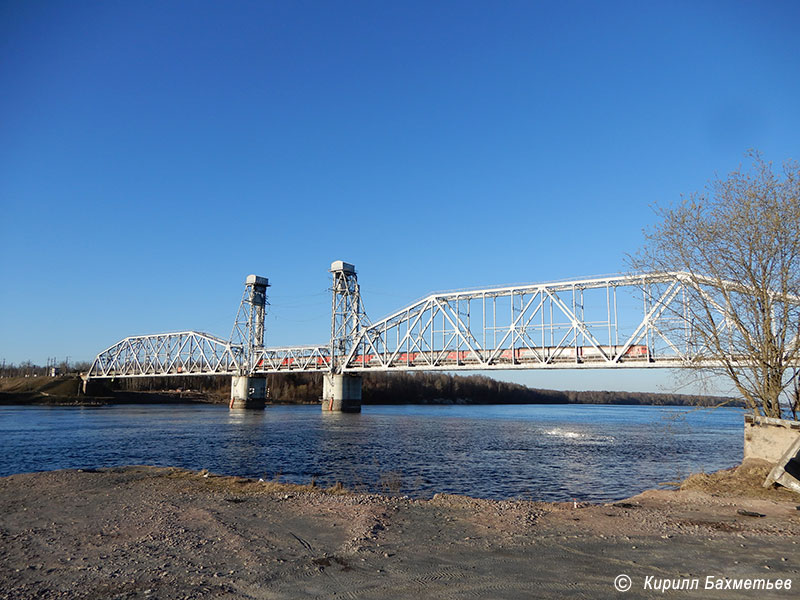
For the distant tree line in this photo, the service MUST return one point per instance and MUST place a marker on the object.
(379, 388)
(213, 385)
(443, 388)
(437, 388)
(416, 388)
(30, 369)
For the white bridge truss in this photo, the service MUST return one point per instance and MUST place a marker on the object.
(610, 322)
(590, 323)
(301, 358)
(167, 354)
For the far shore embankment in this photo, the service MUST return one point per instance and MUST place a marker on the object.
(379, 389)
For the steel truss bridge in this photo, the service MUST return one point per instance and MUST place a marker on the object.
(641, 321)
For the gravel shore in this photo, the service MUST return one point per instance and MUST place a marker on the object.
(147, 532)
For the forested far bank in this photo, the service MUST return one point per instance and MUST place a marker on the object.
(418, 388)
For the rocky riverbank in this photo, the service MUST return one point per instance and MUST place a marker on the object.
(147, 532)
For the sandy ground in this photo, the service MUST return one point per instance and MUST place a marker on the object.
(144, 532)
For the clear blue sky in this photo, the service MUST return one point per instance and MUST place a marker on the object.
(155, 153)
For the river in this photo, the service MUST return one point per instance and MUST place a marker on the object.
(540, 452)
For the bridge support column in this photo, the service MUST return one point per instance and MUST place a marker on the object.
(341, 393)
(248, 392)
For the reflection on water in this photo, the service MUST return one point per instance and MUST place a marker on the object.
(551, 452)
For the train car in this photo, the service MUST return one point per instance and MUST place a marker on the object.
(515, 356)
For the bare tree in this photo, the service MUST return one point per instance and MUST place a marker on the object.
(738, 244)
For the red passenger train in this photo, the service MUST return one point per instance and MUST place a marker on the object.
(465, 357)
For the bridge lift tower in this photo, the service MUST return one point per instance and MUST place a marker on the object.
(247, 389)
(341, 392)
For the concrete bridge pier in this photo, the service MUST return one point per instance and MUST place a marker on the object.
(341, 393)
(248, 392)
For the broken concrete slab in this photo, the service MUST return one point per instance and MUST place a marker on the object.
(787, 471)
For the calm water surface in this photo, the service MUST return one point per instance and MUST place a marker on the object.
(544, 452)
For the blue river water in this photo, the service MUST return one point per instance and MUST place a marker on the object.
(540, 452)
